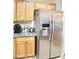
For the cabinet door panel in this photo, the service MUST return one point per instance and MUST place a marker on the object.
(21, 49)
(20, 10)
(30, 47)
(14, 19)
(29, 11)
(51, 6)
(25, 47)
(40, 6)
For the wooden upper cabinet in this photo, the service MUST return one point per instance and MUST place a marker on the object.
(19, 0)
(45, 6)
(14, 11)
(20, 11)
(24, 11)
(29, 11)
(51, 6)
(40, 6)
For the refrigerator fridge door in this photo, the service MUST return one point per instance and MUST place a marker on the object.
(57, 37)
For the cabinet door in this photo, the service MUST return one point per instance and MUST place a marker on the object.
(29, 11)
(21, 52)
(30, 47)
(20, 13)
(40, 6)
(14, 19)
(25, 47)
(51, 6)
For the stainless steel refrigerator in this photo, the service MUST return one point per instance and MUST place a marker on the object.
(49, 28)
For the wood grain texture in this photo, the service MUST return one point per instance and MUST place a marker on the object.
(25, 46)
(40, 6)
(21, 49)
(14, 19)
(30, 48)
(29, 11)
(22, 39)
(51, 6)
(20, 12)
(24, 11)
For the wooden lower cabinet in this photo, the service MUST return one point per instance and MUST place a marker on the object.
(20, 47)
(25, 47)
(30, 48)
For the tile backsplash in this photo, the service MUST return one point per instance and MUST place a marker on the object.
(25, 25)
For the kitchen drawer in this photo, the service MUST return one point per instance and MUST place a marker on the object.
(30, 38)
(24, 39)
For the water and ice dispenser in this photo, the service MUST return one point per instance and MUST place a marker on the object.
(45, 29)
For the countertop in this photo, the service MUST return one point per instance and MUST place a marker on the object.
(24, 34)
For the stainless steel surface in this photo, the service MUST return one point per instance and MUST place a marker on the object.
(49, 46)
